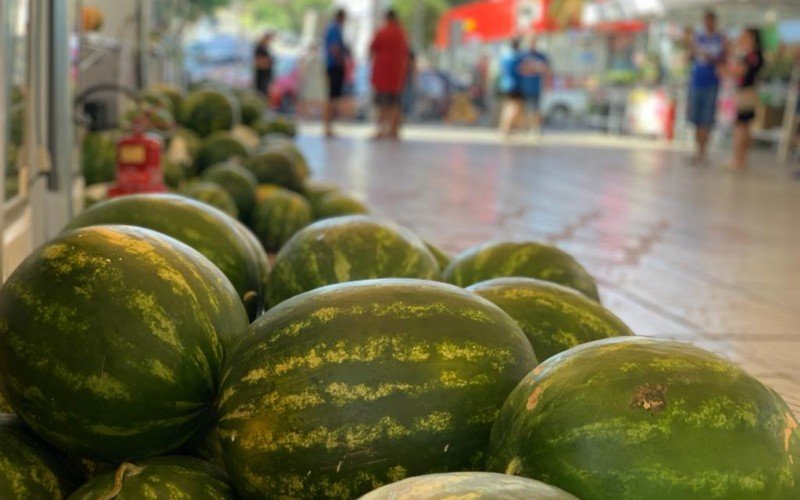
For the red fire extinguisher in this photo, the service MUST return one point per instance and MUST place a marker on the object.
(139, 167)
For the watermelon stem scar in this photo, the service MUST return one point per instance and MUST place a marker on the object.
(650, 397)
(126, 468)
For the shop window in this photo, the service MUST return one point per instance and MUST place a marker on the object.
(17, 45)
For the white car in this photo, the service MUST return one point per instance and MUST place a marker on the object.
(562, 107)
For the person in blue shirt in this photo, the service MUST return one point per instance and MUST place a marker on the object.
(508, 85)
(336, 54)
(707, 54)
(533, 68)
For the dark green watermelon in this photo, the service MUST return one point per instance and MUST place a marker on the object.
(212, 194)
(347, 249)
(220, 147)
(337, 204)
(527, 259)
(278, 216)
(206, 111)
(160, 478)
(553, 317)
(634, 417)
(200, 226)
(291, 150)
(29, 467)
(275, 167)
(112, 340)
(174, 174)
(253, 106)
(351, 386)
(99, 157)
(239, 182)
(468, 485)
(442, 258)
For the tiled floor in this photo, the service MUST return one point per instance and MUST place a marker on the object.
(686, 253)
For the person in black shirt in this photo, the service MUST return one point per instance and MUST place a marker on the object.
(263, 64)
(745, 72)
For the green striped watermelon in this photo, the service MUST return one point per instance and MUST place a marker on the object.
(337, 204)
(111, 341)
(313, 190)
(206, 111)
(159, 478)
(272, 166)
(351, 386)
(523, 259)
(291, 150)
(29, 467)
(347, 249)
(278, 216)
(633, 418)
(239, 182)
(203, 228)
(468, 485)
(261, 261)
(218, 148)
(214, 195)
(553, 317)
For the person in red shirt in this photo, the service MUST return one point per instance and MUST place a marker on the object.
(389, 50)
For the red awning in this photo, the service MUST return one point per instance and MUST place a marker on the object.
(487, 21)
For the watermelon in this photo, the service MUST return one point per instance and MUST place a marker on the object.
(468, 485)
(347, 249)
(275, 167)
(99, 157)
(163, 477)
(351, 386)
(206, 111)
(442, 258)
(553, 317)
(183, 148)
(634, 417)
(4, 407)
(239, 183)
(29, 467)
(291, 150)
(524, 259)
(337, 204)
(278, 125)
(278, 216)
(313, 190)
(196, 224)
(174, 174)
(214, 195)
(218, 148)
(112, 339)
(253, 106)
(261, 263)
(173, 96)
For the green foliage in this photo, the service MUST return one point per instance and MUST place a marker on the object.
(284, 14)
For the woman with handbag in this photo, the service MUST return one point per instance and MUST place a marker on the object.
(745, 70)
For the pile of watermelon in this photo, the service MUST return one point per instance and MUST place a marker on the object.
(261, 334)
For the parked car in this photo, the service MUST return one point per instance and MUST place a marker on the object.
(564, 106)
(221, 58)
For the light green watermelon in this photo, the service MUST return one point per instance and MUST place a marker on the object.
(160, 478)
(209, 231)
(214, 195)
(468, 485)
(253, 106)
(441, 257)
(521, 259)
(553, 317)
(313, 189)
(343, 389)
(347, 249)
(278, 216)
(239, 183)
(206, 111)
(29, 467)
(633, 418)
(220, 147)
(337, 204)
(111, 341)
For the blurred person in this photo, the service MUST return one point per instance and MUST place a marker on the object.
(745, 69)
(707, 53)
(264, 62)
(533, 68)
(389, 50)
(336, 56)
(508, 85)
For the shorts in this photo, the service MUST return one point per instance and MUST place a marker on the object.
(335, 82)
(533, 102)
(387, 99)
(745, 116)
(702, 106)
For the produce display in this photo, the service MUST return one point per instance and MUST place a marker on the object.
(347, 249)
(364, 383)
(526, 259)
(471, 485)
(633, 417)
(553, 317)
(112, 339)
(295, 347)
